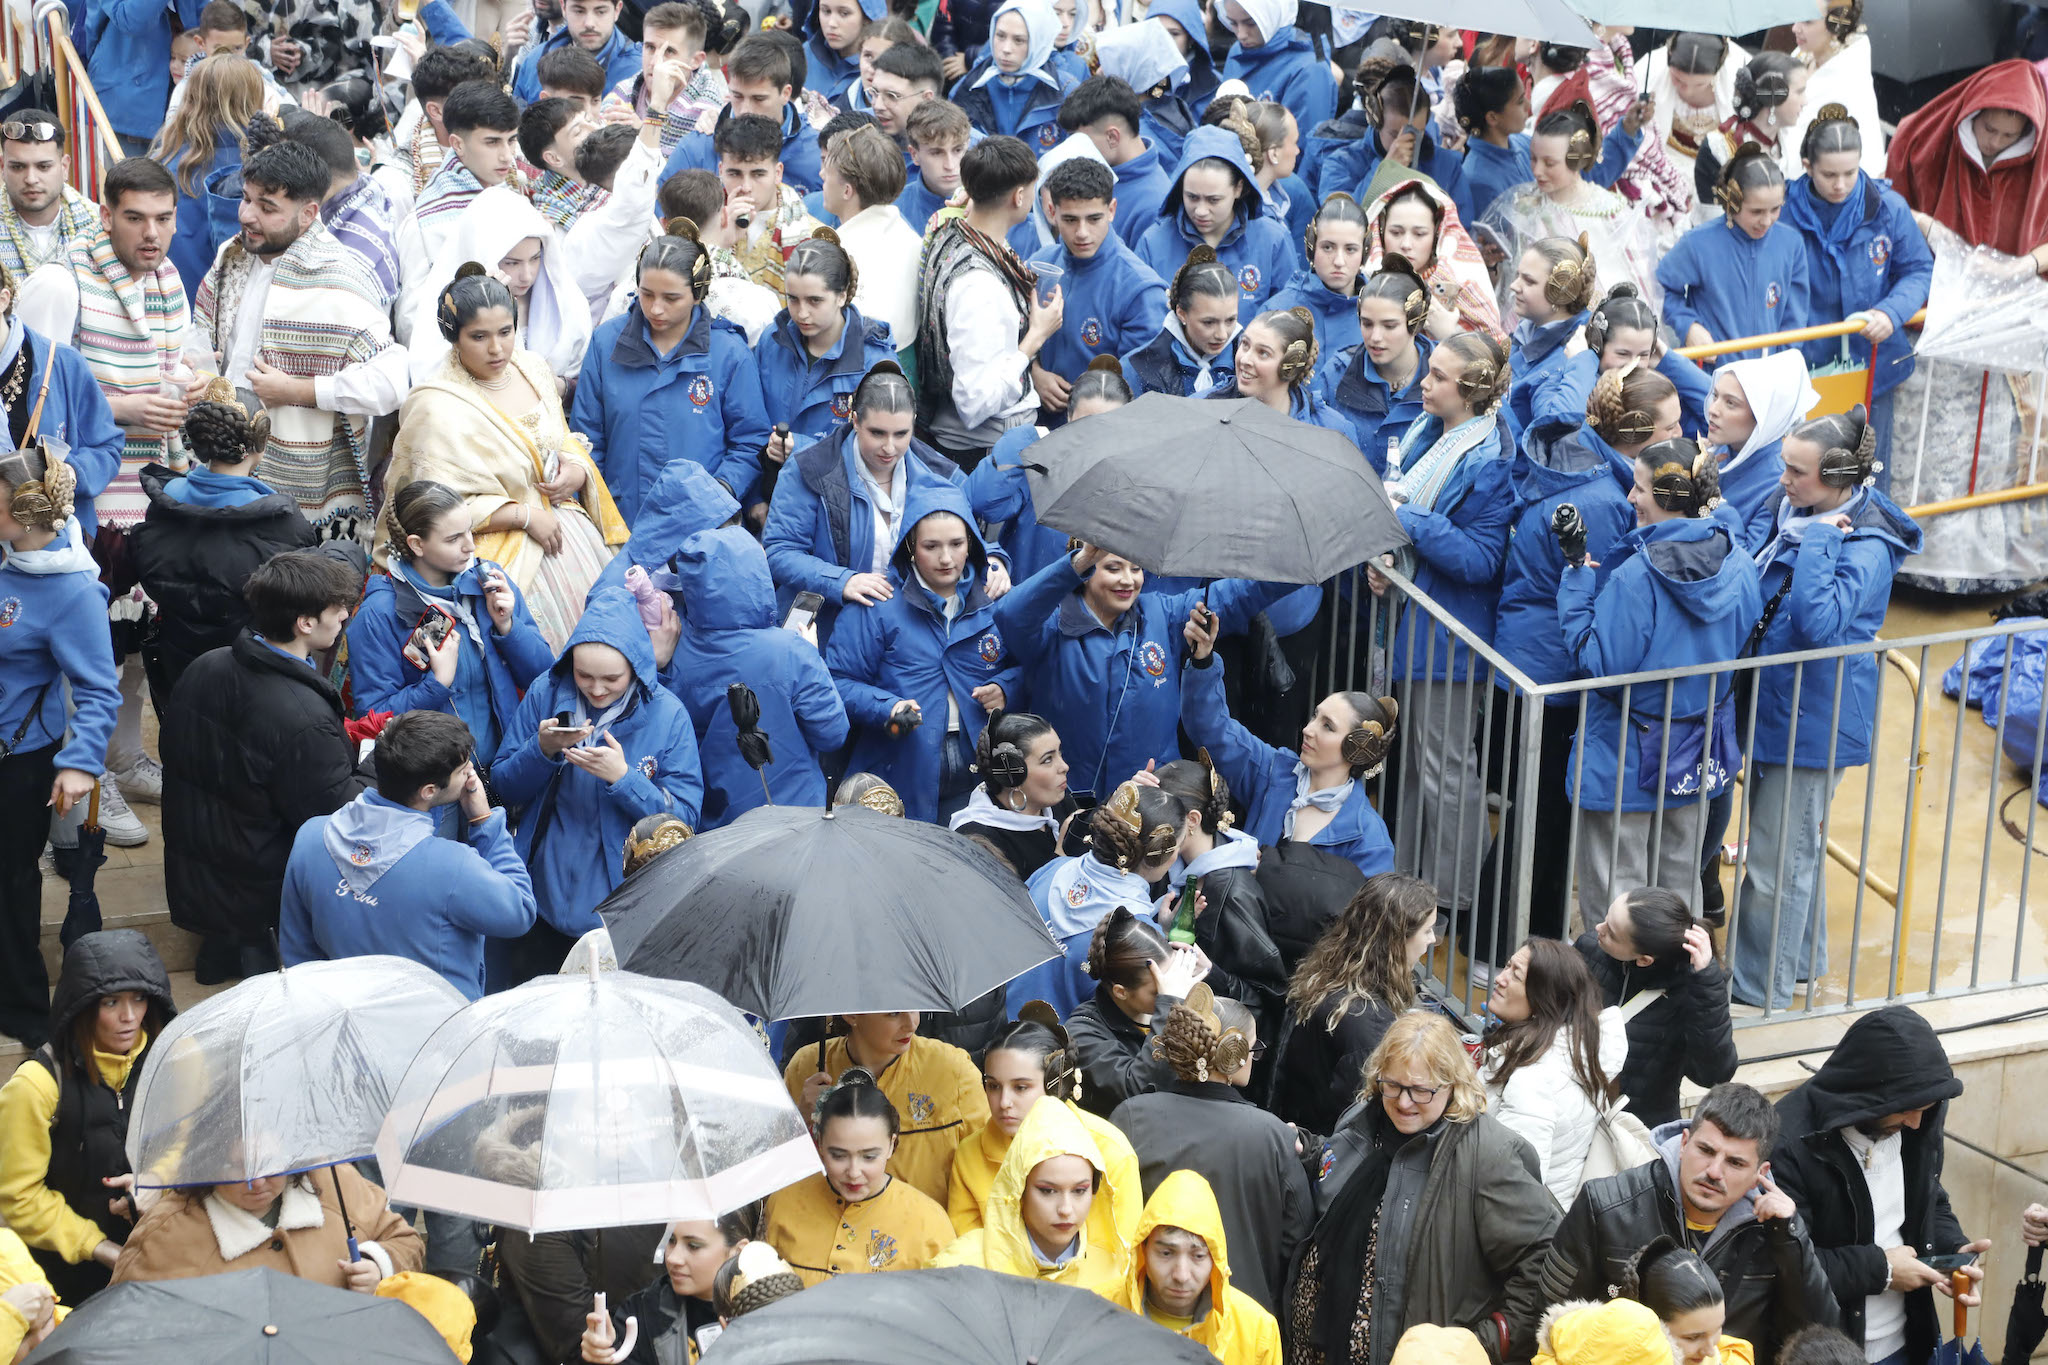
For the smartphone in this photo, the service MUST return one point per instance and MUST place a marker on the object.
(433, 627)
(1951, 1263)
(803, 611)
(564, 720)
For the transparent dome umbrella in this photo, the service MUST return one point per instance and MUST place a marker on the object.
(601, 1100)
(287, 1071)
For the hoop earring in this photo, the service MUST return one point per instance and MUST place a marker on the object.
(1017, 804)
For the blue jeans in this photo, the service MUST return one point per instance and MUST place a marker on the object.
(1787, 806)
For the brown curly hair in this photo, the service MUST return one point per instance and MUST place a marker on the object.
(1362, 955)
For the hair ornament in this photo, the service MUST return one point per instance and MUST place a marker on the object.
(1216, 792)
(1365, 744)
(1062, 1064)
(44, 486)
(665, 836)
(1842, 17)
(1230, 1050)
(882, 799)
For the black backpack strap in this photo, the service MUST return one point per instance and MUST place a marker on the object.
(1763, 622)
(35, 709)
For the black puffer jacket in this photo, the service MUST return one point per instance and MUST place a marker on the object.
(1684, 1036)
(1319, 1064)
(1888, 1062)
(1305, 887)
(252, 749)
(194, 560)
(1114, 1052)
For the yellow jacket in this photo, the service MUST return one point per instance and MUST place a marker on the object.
(822, 1235)
(1236, 1329)
(17, 1267)
(1112, 1222)
(1617, 1332)
(936, 1089)
(1003, 1244)
(28, 1104)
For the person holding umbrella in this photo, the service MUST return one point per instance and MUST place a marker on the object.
(673, 1312)
(855, 1217)
(1377, 384)
(933, 1089)
(1000, 489)
(1276, 365)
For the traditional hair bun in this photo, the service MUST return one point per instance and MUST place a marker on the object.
(1108, 364)
(687, 229)
(1843, 18)
(45, 503)
(469, 270)
(1366, 744)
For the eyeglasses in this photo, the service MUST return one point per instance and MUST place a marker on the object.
(1416, 1094)
(16, 131)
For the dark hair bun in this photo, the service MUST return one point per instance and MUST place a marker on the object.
(685, 228)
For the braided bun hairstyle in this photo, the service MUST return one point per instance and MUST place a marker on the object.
(1569, 281)
(1384, 84)
(1843, 18)
(1366, 744)
(822, 255)
(1137, 825)
(681, 251)
(1482, 91)
(1763, 83)
(1580, 131)
(1201, 274)
(1338, 208)
(1204, 1037)
(1749, 170)
(1623, 406)
(1102, 381)
(1623, 307)
(1037, 1032)
(1848, 447)
(1832, 130)
(750, 1281)
(1684, 476)
(1201, 789)
(469, 293)
(999, 752)
(1296, 329)
(45, 503)
(1239, 124)
(1669, 1280)
(1483, 382)
(1396, 279)
(1124, 949)
(223, 433)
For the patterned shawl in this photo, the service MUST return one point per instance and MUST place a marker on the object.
(362, 218)
(1458, 271)
(562, 201)
(131, 331)
(76, 218)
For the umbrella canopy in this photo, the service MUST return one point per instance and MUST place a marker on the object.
(1190, 487)
(595, 1101)
(245, 1317)
(1731, 17)
(2026, 1325)
(1551, 20)
(792, 911)
(960, 1316)
(286, 1071)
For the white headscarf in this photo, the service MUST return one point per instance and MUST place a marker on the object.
(1778, 392)
(1270, 15)
(557, 317)
(1042, 26)
(1142, 55)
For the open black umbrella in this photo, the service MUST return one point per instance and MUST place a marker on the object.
(79, 866)
(1188, 487)
(960, 1316)
(792, 911)
(245, 1317)
(2027, 1324)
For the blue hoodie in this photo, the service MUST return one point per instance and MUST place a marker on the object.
(685, 500)
(1073, 895)
(1547, 471)
(1114, 695)
(53, 609)
(1112, 301)
(1255, 246)
(206, 217)
(76, 413)
(905, 648)
(1141, 186)
(1841, 584)
(1545, 389)
(813, 395)
(1734, 285)
(1692, 383)
(620, 58)
(1165, 364)
(127, 49)
(642, 411)
(1285, 68)
(1335, 315)
(1200, 86)
(435, 904)
(731, 634)
(1029, 110)
(489, 677)
(1460, 545)
(800, 157)
(828, 73)
(1351, 384)
(1863, 255)
(573, 831)
(1000, 493)
(1292, 204)
(1677, 593)
(1264, 778)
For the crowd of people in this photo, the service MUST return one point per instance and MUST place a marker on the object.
(436, 429)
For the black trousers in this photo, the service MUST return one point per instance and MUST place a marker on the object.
(1549, 893)
(25, 779)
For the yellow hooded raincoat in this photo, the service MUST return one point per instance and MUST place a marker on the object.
(1113, 1222)
(1235, 1328)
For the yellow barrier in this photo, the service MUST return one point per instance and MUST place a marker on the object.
(1838, 392)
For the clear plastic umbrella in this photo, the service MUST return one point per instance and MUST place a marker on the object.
(601, 1100)
(287, 1071)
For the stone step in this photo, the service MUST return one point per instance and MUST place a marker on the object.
(185, 992)
(130, 898)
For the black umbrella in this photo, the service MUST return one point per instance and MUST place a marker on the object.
(79, 866)
(245, 1317)
(1191, 488)
(2027, 1324)
(959, 1316)
(792, 911)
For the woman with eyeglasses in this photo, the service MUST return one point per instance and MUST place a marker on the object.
(1428, 1210)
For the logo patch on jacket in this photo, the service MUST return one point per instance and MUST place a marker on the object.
(1077, 894)
(700, 390)
(881, 1249)
(10, 612)
(990, 647)
(922, 1110)
(1771, 294)
(647, 767)
(361, 854)
(1091, 333)
(1880, 251)
(1329, 1160)
(1153, 658)
(842, 405)
(1048, 136)
(1248, 279)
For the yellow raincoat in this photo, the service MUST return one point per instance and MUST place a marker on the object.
(18, 1267)
(1112, 1223)
(822, 1235)
(1003, 1243)
(936, 1089)
(1236, 1329)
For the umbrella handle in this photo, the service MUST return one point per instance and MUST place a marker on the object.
(92, 812)
(625, 1347)
(1960, 1283)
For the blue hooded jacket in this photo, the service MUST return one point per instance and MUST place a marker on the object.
(572, 833)
(1255, 246)
(1112, 301)
(206, 217)
(1000, 493)
(1166, 365)
(731, 634)
(1113, 695)
(1492, 171)
(1141, 186)
(905, 648)
(642, 411)
(1350, 383)
(1287, 69)
(685, 500)
(814, 395)
(127, 49)
(1692, 383)
(1460, 546)
(828, 73)
(1263, 778)
(1350, 169)
(1841, 584)
(1866, 254)
(54, 610)
(1734, 285)
(1335, 315)
(1291, 203)
(1545, 389)
(1677, 593)
(1200, 86)
(1029, 110)
(1547, 471)
(800, 156)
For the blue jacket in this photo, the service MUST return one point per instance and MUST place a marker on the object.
(821, 526)
(1262, 777)
(1064, 982)
(1166, 365)
(1692, 383)
(1492, 171)
(75, 412)
(57, 638)
(800, 157)
(1460, 546)
(1114, 696)
(436, 905)
(1141, 186)
(814, 395)
(1865, 255)
(620, 58)
(489, 679)
(1545, 390)
(685, 500)
(905, 648)
(1166, 121)
(1674, 594)
(1735, 286)
(127, 49)
(1202, 80)
(1255, 247)
(828, 73)
(1841, 586)
(1000, 493)
(205, 220)
(1293, 204)
(732, 634)
(917, 204)
(1335, 315)
(1112, 302)
(1350, 383)
(1748, 493)
(572, 833)
(1030, 110)
(1285, 68)
(642, 411)
(1350, 168)
(1548, 470)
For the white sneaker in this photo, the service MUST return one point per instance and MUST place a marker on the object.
(141, 780)
(122, 827)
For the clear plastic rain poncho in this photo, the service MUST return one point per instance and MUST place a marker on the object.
(599, 1100)
(287, 1071)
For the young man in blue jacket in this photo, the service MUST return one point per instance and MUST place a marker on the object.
(592, 25)
(758, 80)
(1114, 301)
(372, 878)
(1110, 112)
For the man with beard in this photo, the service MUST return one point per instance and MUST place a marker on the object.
(41, 213)
(1862, 1159)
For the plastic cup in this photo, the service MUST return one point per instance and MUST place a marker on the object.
(1049, 277)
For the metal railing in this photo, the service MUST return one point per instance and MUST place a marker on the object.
(1486, 797)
